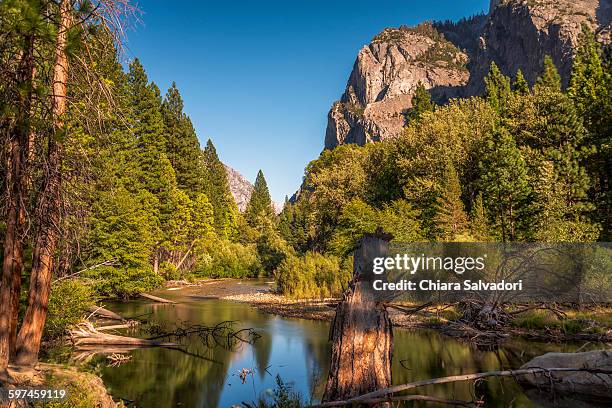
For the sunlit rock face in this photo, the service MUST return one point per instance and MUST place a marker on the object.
(385, 75)
(452, 59)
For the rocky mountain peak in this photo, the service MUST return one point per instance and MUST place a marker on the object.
(385, 75)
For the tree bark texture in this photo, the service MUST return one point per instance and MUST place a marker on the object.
(48, 207)
(17, 186)
(361, 333)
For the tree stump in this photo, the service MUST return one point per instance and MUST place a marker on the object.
(361, 331)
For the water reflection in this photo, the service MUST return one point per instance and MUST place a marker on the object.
(298, 351)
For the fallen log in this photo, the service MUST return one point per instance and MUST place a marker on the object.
(156, 299)
(102, 312)
(86, 334)
(383, 393)
(127, 325)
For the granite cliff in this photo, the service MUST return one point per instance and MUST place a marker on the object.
(451, 59)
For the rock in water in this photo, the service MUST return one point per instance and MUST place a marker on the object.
(576, 384)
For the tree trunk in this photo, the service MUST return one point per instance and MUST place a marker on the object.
(48, 209)
(361, 333)
(17, 197)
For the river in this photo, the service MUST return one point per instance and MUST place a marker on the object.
(295, 349)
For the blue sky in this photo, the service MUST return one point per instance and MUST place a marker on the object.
(258, 77)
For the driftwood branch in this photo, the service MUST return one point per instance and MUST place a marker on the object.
(86, 334)
(383, 393)
(127, 325)
(156, 298)
(102, 312)
(109, 262)
(425, 398)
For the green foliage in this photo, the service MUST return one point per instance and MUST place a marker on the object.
(123, 282)
(272, 249)
(226, 259)
(497, 88)
(590, 89)
(182, 147)
(313, 276)
(549, 78)
(479, 222)
(450, 219)
(68, 304)
(421, 102)
(505, 185)
(260, 204)
(122, 228)
(218, 192)
(520, 84)
(358, 218)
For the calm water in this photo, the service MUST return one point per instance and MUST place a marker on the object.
(298, 351)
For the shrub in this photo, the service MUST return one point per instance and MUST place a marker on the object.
(225, 259)
(68, 303)
(313, 276)
(124, 282)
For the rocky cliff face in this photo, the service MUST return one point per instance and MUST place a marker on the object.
(384, 78)
(451, 59)
(242, 189)
(519, 33)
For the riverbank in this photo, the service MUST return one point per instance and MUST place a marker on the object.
(540, 325)
(83, 389)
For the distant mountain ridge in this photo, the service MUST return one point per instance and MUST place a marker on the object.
(452, 59)
(242, 189)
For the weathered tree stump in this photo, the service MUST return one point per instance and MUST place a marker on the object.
(361, 331)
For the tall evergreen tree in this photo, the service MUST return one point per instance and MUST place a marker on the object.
(182, 147)
(421, 102)
(218, 192)
(450, 220)
(497, 88)
(505, 184)
(549, 77)
(520, 84)
(591, 90)
(260, 204)
(479, 223)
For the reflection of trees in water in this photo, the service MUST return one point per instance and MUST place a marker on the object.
(423, 355)
(166, 377)
(317, 363)
(262, 349)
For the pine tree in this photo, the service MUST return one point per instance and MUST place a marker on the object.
(497, 88)
(203, 217)
(549, 78)
(260, 204)
(479, 223)
(451, 219)
(520, 85)
(421, 103)
(505, 184)
(183, 147)
(591, 90)
(560, 216)
(218, 192)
